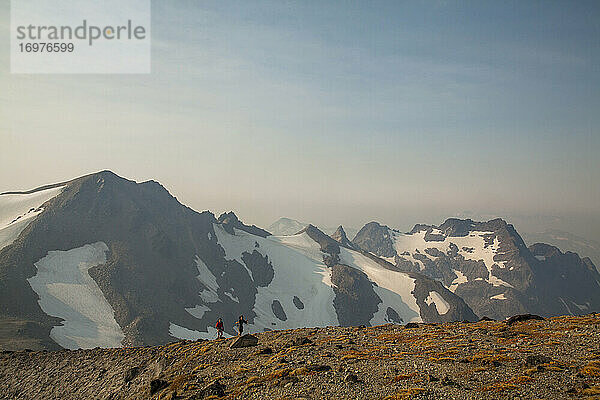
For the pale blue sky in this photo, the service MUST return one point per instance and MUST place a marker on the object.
(402, 112)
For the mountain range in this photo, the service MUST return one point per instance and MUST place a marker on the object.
(105, 261)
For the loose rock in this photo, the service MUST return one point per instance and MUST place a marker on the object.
(523, 317)
(244, 341)
(157, 385)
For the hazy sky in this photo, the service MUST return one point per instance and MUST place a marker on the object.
(397, 111)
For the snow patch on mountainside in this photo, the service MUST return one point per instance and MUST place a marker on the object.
(197, 311)
(67, 291)
(18, 210)
(298, 271)
(286, 226)
(393, 288)
(184, 333)
(470, 247)
(209, 295)
(441, 305)
(460, 278)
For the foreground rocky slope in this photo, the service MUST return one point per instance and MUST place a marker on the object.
(558, 358)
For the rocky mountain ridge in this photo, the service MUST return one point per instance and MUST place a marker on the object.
(106, 261)
(490, 267)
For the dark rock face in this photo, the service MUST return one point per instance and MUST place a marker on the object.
(567, 283)
(457, 227)
(278, 310)
(423, 289)
(328, 245)
(261, 268)
(540, 280)
(393, 316)
(298, 303)
(375, 238)
(244, 341)
(230, 221)
(355, 300)
(20, 333)
(566, 241)
(340, 236)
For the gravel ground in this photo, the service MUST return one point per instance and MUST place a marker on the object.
(557, 358)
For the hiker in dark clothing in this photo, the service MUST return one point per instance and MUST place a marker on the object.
(240, 323)
(219, 326)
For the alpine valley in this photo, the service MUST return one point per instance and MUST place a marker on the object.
(102, 261)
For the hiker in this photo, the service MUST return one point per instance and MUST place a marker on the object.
(240, 323)
(219, 326)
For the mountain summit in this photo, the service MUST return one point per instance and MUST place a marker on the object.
(286, 226)
(340, 236)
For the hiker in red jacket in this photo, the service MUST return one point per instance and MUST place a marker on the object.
(219, 326)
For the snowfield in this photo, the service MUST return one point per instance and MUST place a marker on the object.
(299, 271)
(470, 247)
(286, 226)
(18, 210)
(441, 305)
(67, 291)
(393, 288)
(460, 278)
(183, 333)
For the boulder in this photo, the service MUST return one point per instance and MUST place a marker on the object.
(157, 385)
(266, 350)
(131, 373)
(215, 388)
(533, 360)
(318, 367)
(523, 317)
(299, 341)
(244, 341)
